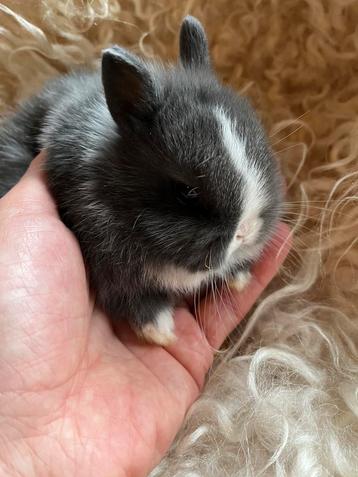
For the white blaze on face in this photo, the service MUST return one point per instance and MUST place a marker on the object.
(253, 194)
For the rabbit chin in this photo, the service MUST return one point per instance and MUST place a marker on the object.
(179, 279)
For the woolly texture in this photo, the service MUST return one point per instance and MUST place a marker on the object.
(282, 398)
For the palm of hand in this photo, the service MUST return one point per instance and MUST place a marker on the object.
(77, 399)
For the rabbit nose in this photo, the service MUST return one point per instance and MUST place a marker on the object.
(242, 231)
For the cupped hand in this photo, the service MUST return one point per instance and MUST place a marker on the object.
(75, 399)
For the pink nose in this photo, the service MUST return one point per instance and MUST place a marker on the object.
(242, 231)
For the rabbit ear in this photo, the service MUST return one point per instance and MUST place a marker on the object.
(128, 85)
(194, 50)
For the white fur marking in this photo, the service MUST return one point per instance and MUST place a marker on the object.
(179, 279)
(161, 330)
(241, 280)
(254, 194)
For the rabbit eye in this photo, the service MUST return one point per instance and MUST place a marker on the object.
(185, 193)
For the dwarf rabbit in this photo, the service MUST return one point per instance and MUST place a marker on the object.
(164, 175)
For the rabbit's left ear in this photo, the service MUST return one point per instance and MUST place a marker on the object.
(193, 47)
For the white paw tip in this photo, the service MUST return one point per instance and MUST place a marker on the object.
(241, 280)
(161, 330)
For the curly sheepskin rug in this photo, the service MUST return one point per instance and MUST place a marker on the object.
(282, 397)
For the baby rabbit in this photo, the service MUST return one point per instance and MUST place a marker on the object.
(163, 174)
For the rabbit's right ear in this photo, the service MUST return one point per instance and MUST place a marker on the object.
(128, 86)
(193, 48)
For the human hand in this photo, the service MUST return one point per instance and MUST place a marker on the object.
(76, 399)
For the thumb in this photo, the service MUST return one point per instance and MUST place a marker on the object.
(30, 195)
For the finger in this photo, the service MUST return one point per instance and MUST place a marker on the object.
(190, 348)
(30, 195)
(221, 312)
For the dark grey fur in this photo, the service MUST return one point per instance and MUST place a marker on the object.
(120, 147)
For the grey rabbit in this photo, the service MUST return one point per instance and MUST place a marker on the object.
(164, 175)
